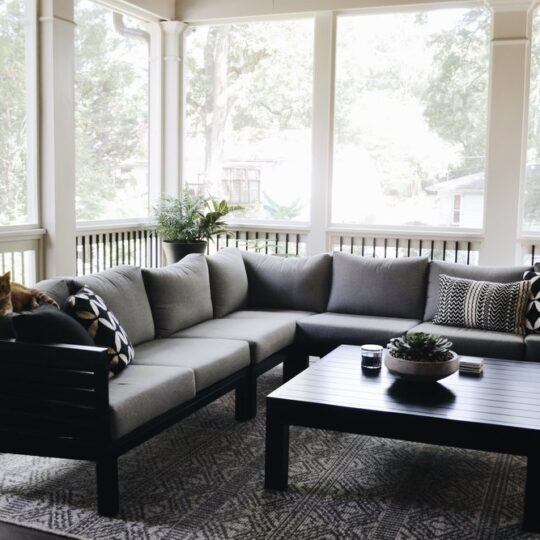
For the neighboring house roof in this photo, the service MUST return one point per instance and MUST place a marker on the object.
(470, 183)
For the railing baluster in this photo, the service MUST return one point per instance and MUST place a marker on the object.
(443, 250)
(77, 258)
(468, 253)
(341, 243)
(397, 248)
(363, 246)
(408, 247)
(457, 252)
(374, 247)
(352, 245)
(297, 245)
(420, 248)
(533, 248)
(385, 246)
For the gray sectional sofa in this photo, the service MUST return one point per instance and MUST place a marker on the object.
(209, 325)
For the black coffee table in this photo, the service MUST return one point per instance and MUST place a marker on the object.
(497, 412)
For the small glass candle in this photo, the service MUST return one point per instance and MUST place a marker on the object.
(371, 356)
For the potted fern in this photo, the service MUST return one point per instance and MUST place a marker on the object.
(421, 357)
(186, 224)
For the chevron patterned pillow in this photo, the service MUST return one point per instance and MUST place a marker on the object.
(532, 314)
(483, 305)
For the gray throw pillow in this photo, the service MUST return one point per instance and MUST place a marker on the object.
(179, 294)
(228, 281)
(484, 305)
(301, 283)
(379, 287)
(497, 274)
(122, 289)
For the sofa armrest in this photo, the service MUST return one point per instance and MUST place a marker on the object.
(56, 393)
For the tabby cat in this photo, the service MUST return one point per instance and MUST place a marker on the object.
(17, 297)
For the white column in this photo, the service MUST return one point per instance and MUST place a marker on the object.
(172, 100)
(156, 112)
(57, 135)
(323, 129)
(507, 121)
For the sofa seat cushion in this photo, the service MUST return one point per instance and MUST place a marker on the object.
(339, 328)
(532, 348)
(475, 342)
(286, 314)
(211, 359)
(265, 336)
(141, 393)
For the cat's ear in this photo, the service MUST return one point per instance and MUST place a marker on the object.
(6, 276)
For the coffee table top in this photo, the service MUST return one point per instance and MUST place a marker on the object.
(507, 394)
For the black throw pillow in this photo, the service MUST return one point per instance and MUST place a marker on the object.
(89, 310)
(49, 326)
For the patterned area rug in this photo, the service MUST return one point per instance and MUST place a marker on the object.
(204, 479)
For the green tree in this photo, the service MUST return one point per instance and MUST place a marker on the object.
(456, 96)
(13, 192)
(242, 81)
(111, 111)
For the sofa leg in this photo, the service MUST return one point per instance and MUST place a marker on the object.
(246, 400)
(295, 364)
(107, 486)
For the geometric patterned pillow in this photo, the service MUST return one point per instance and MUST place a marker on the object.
(532, 314)
(484, 305)
(90, 310)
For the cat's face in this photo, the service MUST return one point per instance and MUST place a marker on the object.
(5, 284)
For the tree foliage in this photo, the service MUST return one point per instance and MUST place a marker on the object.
(13, 153)
(111, 113)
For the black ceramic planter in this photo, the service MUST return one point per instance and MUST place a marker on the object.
(175, 251)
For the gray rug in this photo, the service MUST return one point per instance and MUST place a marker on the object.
(204, 479)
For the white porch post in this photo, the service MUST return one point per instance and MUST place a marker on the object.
(57, 135)
(507, 121)
(323, 129)
(172, 100)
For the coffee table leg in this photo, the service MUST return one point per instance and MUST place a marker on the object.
(531, 517)
(277, 450)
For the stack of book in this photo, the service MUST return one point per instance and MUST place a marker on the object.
(470, 365)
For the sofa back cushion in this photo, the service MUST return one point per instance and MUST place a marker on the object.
(122, 289)
(496, 274)
(60, 288)
(379, 287)
(228, 281)
(179, 294)
(289, 283)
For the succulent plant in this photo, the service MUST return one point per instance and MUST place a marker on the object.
(421, 347)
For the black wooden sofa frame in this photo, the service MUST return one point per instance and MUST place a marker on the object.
(54, 402)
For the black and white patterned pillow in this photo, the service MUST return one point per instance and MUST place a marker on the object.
(91, 311)
(532, 314)
(484, 305)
